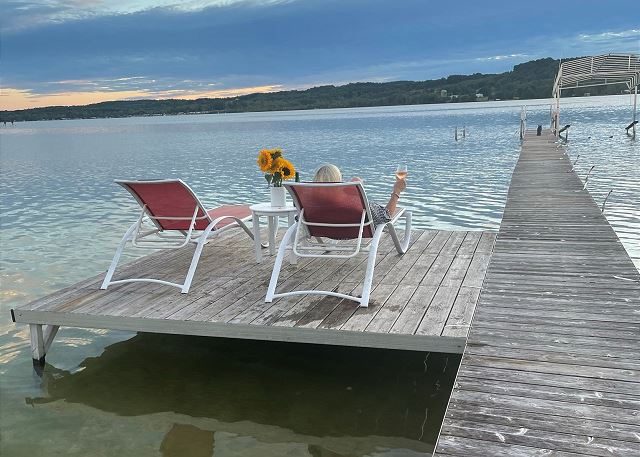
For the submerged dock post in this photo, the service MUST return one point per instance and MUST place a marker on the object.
(586, 178)
(634, 122)
(605, 201)
(41, 338)
(573, 165)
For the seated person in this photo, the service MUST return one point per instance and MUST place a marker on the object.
(381, 214)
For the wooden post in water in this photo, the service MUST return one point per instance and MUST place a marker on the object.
(605, 201)
(634, 120)
(523, 121)
(586, 178)
(573, 166)
(456, 133)
(562, 130)
(635, 107)
(555, 113)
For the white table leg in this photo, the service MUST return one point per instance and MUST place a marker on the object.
(273, 228)
(256, 237)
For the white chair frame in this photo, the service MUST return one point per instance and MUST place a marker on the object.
(295, 237)
(158, 239)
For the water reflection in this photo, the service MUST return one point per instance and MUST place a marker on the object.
(61, 217)
(185, 440)
(326, 400)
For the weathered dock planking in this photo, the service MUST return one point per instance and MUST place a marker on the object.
(421, 301)
(551, 366)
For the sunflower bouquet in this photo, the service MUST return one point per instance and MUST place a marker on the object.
(276, 167)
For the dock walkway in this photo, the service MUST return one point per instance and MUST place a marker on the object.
(421, 301)
(551, 366)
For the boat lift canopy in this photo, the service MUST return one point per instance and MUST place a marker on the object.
(603, 70)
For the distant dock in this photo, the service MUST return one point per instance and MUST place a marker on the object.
(551, 366)
(422, 301)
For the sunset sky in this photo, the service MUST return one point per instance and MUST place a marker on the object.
(71, 52)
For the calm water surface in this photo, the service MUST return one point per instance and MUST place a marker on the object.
(115, 393)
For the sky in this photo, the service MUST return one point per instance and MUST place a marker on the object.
(75, 52)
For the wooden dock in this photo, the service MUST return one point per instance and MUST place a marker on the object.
(552, 363)
(421, 301)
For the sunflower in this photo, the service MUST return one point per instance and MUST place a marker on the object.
(276, 165)
(264, 160)
(287, 169)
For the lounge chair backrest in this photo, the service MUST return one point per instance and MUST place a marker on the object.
(171, 198)
(332, 203)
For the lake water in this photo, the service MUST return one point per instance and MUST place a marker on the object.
(117, 393)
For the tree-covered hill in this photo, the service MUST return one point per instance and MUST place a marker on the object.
(528, 80)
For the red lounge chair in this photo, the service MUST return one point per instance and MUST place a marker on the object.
(335, 211)
(179, 218)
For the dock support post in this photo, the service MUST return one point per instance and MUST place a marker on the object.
(556, 122)
(41, 339)
(586, 178)
(635, 107)
(555, 112)
(604, 203)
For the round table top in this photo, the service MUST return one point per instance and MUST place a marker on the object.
(266, 208)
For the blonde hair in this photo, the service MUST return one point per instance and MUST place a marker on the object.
(328, 173)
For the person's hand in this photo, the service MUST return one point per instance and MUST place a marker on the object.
(399, 185)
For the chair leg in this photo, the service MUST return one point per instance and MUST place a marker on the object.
(202, 240)
(401, 246)
(116, 257)
(371, 264)
(244, 227)
(277, 266)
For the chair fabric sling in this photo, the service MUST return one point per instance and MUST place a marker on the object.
(179, 218)
(338, 212)
(340, 204)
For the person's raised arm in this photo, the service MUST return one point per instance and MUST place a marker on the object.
(398, 187)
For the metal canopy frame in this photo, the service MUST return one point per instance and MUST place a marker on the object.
(602, 70)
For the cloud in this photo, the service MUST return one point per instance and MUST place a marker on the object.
(140, 46)
(11, 98)
(24, 14)
(502, 57)
(621, 40)
(607, 37)
(611, 41)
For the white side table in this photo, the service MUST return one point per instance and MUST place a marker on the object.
(273, 214)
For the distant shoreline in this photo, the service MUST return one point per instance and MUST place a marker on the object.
(527, 81)
(458, 105)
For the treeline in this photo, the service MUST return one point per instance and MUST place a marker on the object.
(528, 80)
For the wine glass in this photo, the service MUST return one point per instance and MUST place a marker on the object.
(401, 172)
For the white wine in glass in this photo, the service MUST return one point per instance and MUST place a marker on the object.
(401, 172)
